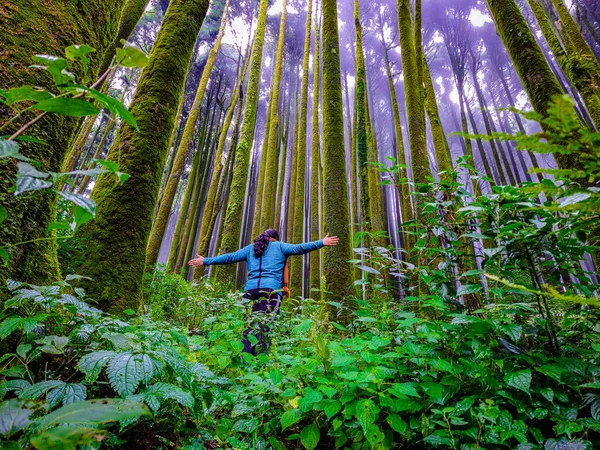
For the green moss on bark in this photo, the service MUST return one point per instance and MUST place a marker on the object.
(529, 60)
(336, 267)
(166, 203)
(298, 218)
(31, 27)
(270, 181)
(235, 206)
(115, 251)
(315, 212)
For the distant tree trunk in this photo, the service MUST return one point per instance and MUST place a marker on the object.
(578, 67)
(298, 218)
(115, 251)
(218, 177)
(99, 149)
(25, 26)
(292, 190)
(267, 218)
(162, 217)
(235, 208)
(374, 181)
(487, 169)
(337, 270)
(353, 171)
(529, 61)
(282, 167)
(315, 164)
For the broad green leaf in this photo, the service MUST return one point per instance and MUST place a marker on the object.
(245, 425)
(38, 389)
(67, 438)
(397, 424)
(113, 105)
(14, 416)
(519, 380)
(93, 363)
(25, 93)
(27, 170)
(276, 376)
(9, 325)
(131, 57)
(4, 256)
(574, 199)
(58, 226)
(111, 166)
(368, 269)
(81, 216)
(366, 412)
(465, 289)
(3, 214)
(310, 436)
(124, 373)
(435, 391)
(289, 418)
(79, 52)
(54, 65)
(96, 411)
(331, 408)
(440, 438)
(172, 392)
(408, 389)
(79, 200)
(73, 107)
(8, 148)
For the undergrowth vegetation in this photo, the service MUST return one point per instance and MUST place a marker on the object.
(485, 335)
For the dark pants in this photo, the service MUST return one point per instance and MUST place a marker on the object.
(266, 303)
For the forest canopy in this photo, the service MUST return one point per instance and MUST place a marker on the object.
(438, 159)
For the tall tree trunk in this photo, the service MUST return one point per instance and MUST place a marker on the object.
(298, 219)
(336, 268)
(487, 169)
(529, 61)
(283, 166)
(575, 66)
(375, 200)
(294, 172)
(361, 128)
(414, 106)
(116, 251)
(235, 208)
(267, 218)
(315, 165)
(162, 218)
(25, 26)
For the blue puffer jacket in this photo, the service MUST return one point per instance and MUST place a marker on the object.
(266, 271)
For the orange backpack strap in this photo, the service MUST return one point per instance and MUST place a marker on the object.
(286, 278)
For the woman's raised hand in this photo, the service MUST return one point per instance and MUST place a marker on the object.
(199, 261)
(331, 241)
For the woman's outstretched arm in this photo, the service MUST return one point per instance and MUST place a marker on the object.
(227, 258)
(300, 249)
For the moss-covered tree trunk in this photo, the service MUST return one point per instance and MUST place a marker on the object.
(529, 60)
(315, 165)
(440, 142)
(282, 168)
(337, 270)
(292, 189)
(580, 67)
(130, 16)
(298, 217)
(360, 130)
(30, 27)
(270, 186)
(235, 208)
(166, 203)
(415, 110)
(115, 250)
(375, 197)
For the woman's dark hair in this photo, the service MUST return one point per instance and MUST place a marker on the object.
(262, 241)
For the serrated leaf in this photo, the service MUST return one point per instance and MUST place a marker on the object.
(9, 325)
(290, 417)
(171, 392)
(276, 376)
(65, 106)
(124, 373)
(96, 411)
(93, 363)
(331, 408)
(595, 409)
(465, 289)
(519, 380)
(397, 424)
(245, 425)
(14, 416)
(310, 436)
(38, 389)
(74, 392)
(366, 413)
